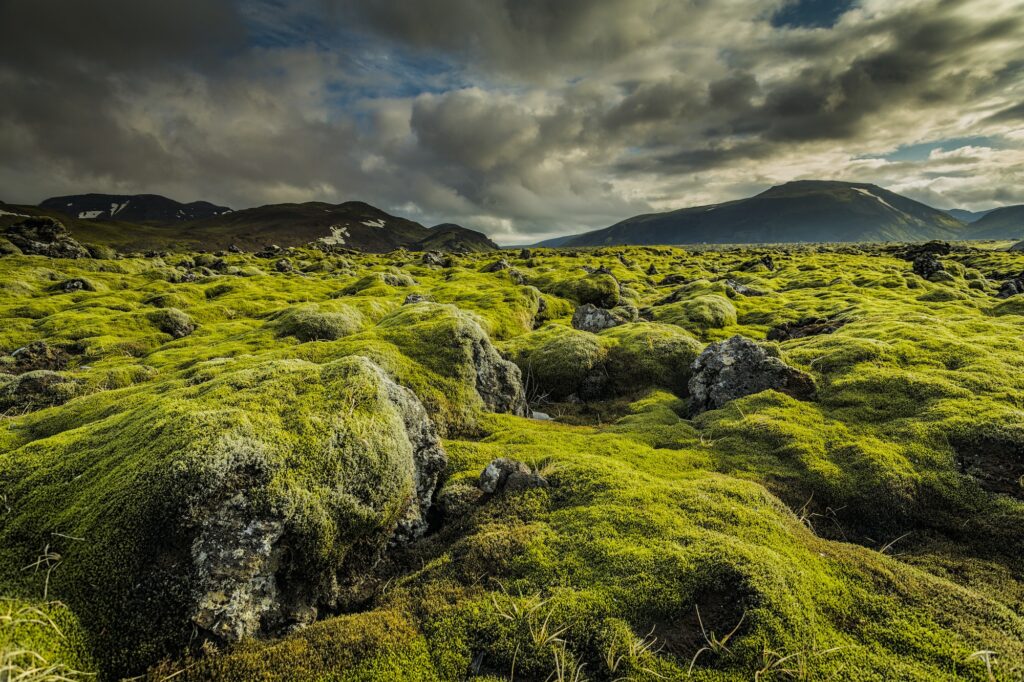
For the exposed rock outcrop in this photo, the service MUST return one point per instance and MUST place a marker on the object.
(589, 318)
(248, 580)
(42, 236)
(505, 475)
(737, 367)
(805, 326)
(39, 355)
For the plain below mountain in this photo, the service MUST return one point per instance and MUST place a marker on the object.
(802, 211)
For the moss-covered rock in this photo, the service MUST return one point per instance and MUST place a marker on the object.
(258, 495)
(645, 355)
(699, 313)
(309, 323)
(558, 362)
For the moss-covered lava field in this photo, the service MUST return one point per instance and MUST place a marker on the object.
(513, 466)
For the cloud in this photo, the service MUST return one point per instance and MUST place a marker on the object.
(523, 117)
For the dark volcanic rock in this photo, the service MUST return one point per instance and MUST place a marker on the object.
(741, 289)
(39, 355)
(806, 326)
(927, 265)
(1011, 287)
(45, 237)
(414, 298)
(672, 279)
(436, 259)
(738, 367)
(932, 248)
(35, 390)
(589, 318)
(509, 476)
(767, 261)
(497, 266)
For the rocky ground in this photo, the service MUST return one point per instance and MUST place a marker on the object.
(628, 463)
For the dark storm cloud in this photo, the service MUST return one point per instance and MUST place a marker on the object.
(517, 116)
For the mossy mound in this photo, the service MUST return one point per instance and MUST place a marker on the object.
(309, 323)
(644, 355)
(315, 464)
(699, 314)
(558, 361)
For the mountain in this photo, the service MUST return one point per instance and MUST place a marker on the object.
(365, 227)
(1002, 223)
(361, 226)
(149, 209)
(802, 211)
(968, 216)
(455, 239)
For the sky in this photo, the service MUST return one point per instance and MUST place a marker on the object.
(525, 119)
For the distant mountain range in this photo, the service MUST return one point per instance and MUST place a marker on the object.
(152, 222)
(1000, 223)
(802, 211)
(968, 216)
(148, 209)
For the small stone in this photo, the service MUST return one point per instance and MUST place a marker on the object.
(509, 475)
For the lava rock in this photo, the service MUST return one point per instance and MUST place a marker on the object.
(1011, 287)
(497, 266)
(42, 236)
(76, 284)
(436, 259)
(927, 265)
(271, 251)
(738, 367)
(669, 280)
(806, 326)
(172, 321)
(932, 248)
(284, 265)
(36, 390)
(754, 263)
(39, 355)
(589, 318)
(738, 288)
(509, 476)
(414, 298)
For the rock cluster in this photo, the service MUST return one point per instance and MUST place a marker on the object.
(927, 265)
(589, 318)
(509, 476)
(805, 326)
(42, 236)
(739, 367)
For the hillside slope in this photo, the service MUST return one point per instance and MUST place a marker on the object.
(456, 239)
(803, 211)
(1002, 223)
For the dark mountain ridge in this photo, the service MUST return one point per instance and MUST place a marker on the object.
(1001, 223)
(801, 211)
(147, 209)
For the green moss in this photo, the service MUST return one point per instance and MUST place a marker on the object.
(699, 313)
(556, 360)
(644, 355)
(42, 640)
(308, 323)
(871, 533)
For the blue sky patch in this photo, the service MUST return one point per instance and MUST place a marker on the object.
(811, 13)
